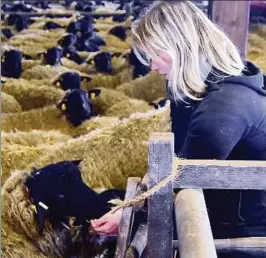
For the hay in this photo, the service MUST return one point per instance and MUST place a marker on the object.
(9, 104)
(29, 96)
(148, 88)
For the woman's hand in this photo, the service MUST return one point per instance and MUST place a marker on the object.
(108, 224)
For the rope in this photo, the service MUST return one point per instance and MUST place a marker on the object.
(139, 199)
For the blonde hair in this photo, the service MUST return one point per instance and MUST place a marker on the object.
(185, 33)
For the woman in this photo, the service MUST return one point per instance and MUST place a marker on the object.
(218, 107)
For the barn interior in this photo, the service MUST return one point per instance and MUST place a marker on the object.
(77, 108)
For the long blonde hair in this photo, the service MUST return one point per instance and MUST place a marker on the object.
(185, 33)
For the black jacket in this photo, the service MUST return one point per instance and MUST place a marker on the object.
(229, 123)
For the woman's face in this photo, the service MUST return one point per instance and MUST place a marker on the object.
(162, 67)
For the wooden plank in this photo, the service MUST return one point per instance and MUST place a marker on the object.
(193, 226)
(138, 243)
(126, 221)
(253, 244)
(221, 174)
(160, 205)
(233, 17)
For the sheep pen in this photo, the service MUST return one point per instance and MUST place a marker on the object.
(111, 144)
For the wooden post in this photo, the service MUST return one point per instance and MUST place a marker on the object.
(233, 17)
(125, 224)
(193, 226)
(160, 205)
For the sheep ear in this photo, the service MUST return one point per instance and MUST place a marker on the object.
(86, 78)
(116, 54)
(76, 162)
(153, 104)
(94, 93)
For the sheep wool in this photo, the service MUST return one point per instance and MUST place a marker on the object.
(149, 87)
(127, 107)
(9, 104)
(112, 154)
(17, 245)
(20, 217)
(109, 81)
(33, 138)
(50, 118)
(29, 96)
(27, 64)
(43, 72)
(20, 158)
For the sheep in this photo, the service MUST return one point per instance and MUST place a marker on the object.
(50, 118)
(11, 63)
(150, 87)
(54, 241)
(30, 97)
(127, 107)
(40, 72)
(19, 158)
(33, 138)
(9, 104)
(111, 154)
(109, 81)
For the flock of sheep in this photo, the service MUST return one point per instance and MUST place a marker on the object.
(73, 95)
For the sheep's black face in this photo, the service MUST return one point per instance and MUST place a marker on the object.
(119, 31)
(120, 18)
(53, 56)
(71, 54)
(68, 40)
(51, 26)
(21, 23)
(11, 64)
(73, 27)
(57, 191)
(11, 19)
(159, 104)
(84, 44)
(76, 106)
(85, 7)
(68, 81)
(86, 24)
(7, 33)
(139, 68)
(103, 62)
(97, 40)
(21, 7)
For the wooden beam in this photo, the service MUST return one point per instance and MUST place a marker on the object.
(160, 204)
(250, 244)
(126, 221)
(221, 174)
(233, 17)
(193, 226)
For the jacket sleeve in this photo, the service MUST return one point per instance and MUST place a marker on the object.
(213, 133)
